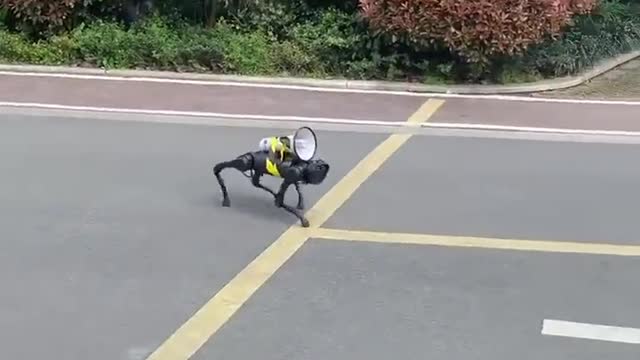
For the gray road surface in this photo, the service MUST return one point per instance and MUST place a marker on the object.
(346, 301)
(537, 190)
(112, 234)
(340, 300)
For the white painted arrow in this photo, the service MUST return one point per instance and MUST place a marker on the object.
(591, 331)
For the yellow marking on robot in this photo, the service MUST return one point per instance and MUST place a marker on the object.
(272, 168)
(195, 332)
(476, 242)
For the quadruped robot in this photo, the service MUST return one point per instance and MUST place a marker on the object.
(289, 157)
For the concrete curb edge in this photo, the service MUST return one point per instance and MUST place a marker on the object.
(533, 87)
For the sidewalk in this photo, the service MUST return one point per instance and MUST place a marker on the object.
(622, 83)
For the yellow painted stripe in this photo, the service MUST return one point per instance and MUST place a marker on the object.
(194, 333)
(477, 242)
(217, 311)
(425, 111)
(335, 198)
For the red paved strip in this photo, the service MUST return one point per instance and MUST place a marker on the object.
(540, 114)
(205, 98)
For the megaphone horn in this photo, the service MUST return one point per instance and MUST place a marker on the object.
(305, 143)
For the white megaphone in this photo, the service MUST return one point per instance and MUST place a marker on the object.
(303, 143)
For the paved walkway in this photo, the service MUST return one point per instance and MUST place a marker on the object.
(622, 83)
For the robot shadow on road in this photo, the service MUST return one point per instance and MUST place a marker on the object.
(287, 157)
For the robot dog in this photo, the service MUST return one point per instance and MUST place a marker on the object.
(287, 157)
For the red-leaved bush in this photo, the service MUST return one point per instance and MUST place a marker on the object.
(50, 13)
(475, 29)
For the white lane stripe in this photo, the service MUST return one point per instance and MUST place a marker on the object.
(591, 331)
(399, 124)
(204, 114)
(538, 99)
(467, 126)
(521, 98)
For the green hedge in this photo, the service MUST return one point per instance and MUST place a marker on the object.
(317, 43)
(613, 29)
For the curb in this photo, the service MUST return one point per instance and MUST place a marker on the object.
(532, 87)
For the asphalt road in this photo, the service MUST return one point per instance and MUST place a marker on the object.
(345, 300)
(349, 301)
(503, 188)
(113, 235)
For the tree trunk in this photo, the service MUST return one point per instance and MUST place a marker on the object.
(212, 17)
(134, 10)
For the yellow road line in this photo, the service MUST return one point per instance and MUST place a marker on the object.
(194, 333)
(476, 242)
(372, 162)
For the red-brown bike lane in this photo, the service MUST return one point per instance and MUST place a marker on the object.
(583, 115)
(274, 101)
(145, 95)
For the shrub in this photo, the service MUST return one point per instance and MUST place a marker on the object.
(337, 43)
(4, 18)
(414, 45)
(290, 59)
(157, 44)
(476, 30)
(17, 48)
(331, 37)
(199, 51)
(37, 16)
(245, 53)
(612, 28)
(152, 43)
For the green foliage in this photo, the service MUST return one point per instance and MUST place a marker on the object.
(330, 38)
(16, 48)
(325, 39)
(4, 18)
(40, 19)
(151, 44)
(336, 41)
(612, 29)
(207, 12)
(245, 53)
(103, 44)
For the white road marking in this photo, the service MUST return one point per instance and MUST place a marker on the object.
(522, 98)
(467, 126)
(591, 331)
(204, 114)
(321, 120)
